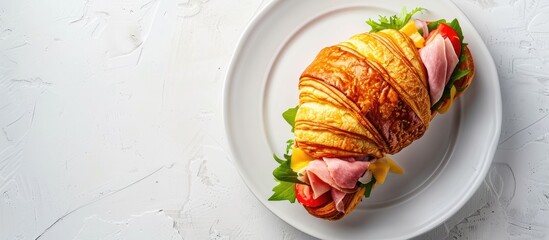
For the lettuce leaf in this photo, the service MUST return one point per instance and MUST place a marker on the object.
(283, 191)
(284, 174)
(286, 178)
(289, 116)
(393, 22)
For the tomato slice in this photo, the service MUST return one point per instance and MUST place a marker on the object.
(446, 32)
(304, 195)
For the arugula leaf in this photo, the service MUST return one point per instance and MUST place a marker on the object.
(369, 187)
(393, 22)
(288, 157)
(278, 160)
(289, 116)
(459, 74)
(433, 25)
(285, 176)
(289, 145)
(463, 57)
(285, 173)
(283, 191)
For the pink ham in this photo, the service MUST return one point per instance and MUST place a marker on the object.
(440, 60)
(451, 59)
(319, 187)
(336, 175)
(433, 56)
(302, 175)
(337, 197)
(320, 170)
(345, 173)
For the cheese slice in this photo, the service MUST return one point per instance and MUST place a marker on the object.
(411, 31)
(394, 167)
(300, 159)
(410, 28)
(381, 167)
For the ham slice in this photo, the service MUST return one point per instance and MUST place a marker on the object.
(334, 174)
(319, 187)
(337, 197)
(440, 60)
(302, 175)
(451, 59)
(433, 56)
(345, 173)
(320, 170)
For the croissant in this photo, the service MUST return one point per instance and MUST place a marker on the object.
(362, 99)
(366, 96)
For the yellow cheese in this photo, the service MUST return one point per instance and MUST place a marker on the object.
(410, 29)
(418, 40)
(394, 167)
(300, 159)
(381, 167)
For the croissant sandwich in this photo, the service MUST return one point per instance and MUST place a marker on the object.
(368, 96)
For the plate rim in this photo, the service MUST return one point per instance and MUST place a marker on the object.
(488, 156)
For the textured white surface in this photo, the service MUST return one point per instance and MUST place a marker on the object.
(111, 123)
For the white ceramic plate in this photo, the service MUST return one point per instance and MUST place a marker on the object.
(443, 169)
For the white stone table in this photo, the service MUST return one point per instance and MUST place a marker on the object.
(111, 126)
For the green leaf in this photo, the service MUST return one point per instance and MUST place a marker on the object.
(369, 187)
(460, 89)
(289, 116)
(463, 57)
(289, 145)
(285, 173)
(278, 159)
(458, 74)
(288, 157)
(283, 191)
(393, 22)
(433, 25)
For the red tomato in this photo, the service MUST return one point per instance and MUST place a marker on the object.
(446, 32)
(304, 195)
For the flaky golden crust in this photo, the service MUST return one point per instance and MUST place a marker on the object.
(401, 74)
(365, 96)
